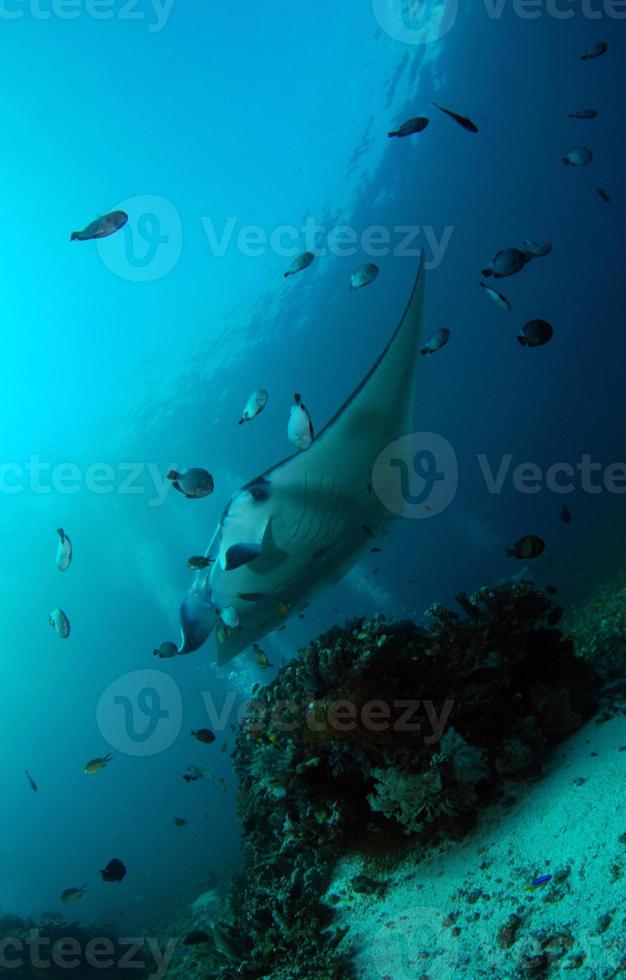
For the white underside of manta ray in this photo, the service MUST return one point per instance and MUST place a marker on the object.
(302, 525)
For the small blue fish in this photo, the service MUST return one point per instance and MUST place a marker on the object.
(542, 880)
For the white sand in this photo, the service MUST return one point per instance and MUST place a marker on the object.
(554, 827)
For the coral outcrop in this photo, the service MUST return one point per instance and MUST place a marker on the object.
(380, 731)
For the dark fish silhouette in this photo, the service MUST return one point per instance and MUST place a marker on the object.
(595, 50)
(411, 126)
(536, 333)
(204, 735)
(600, 191)
(462, 120)
(566, 514)
(199, 561)
(438, 340)
(302, 262)
(583, 114)
(114, 871)
(193, 484)
(31, 782)
(528, 547)
(102, 227)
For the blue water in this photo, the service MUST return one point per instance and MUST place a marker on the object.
(144, 348)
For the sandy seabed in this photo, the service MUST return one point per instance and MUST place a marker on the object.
(462, 909)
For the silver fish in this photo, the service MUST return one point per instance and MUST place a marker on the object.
(102, 227)
(364, 276)
(59, 623)
(300, 429)
(438, 340)
(64, 551)
(497, 297)
(579, 157)
(302, 262)
(254, 406)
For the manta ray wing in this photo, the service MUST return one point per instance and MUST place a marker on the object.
(314, 512)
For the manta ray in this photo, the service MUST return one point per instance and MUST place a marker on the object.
(301, 525)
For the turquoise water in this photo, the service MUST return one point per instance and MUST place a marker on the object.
(137, 354)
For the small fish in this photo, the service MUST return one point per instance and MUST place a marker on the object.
(463, 121)
(530, 546)
(566, 514)
(283, 608)
(31, 782)
(102, 227)
(579, 157)
(59, 623)
(115, 871)
(302, 262)
(535, 333)
(260, 656)
(411, 126)
(375, 551)
(224, 747)
(543, 880)
(253, 596)
(536, 249)
(555, 616)
(595, 50)
(256, 687)
(197, 938)
(364, 276)
(229, 617)
(254, 406)
(166, 651)
(368, 531)
(603, 194)
(300, 429)
(438, 340)
(497, 297)
(64, 551)
(95, 766)
(507, 263)
(197, 562)
(204, 735)
(193, 774)
(73, 894)
(584, 114)
(180, 822)
(194, 484)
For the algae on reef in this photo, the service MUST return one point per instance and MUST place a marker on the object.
(328, 760)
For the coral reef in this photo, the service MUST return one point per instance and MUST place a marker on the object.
(379, 730)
